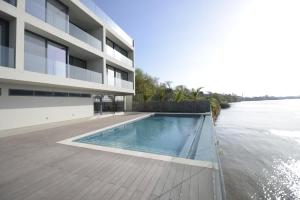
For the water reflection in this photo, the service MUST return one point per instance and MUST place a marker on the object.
(261, 150)
(282, 181)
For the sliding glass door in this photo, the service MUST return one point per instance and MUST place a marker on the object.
(56, 59)
(110, 76)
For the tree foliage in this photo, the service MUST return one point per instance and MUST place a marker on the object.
(148, 88)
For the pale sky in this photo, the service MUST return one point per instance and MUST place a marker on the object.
(235, 46)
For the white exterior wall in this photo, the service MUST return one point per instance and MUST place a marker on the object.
(19, 111)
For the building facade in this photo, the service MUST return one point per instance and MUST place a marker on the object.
(61, 60)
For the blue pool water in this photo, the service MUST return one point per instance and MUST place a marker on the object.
(161, 134)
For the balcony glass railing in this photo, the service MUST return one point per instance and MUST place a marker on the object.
(84, 74)
(84, 36)
(117, 55)
(7, 56)
(91, 5)
(12, 2)
(60, 20)
(122, 83)
(43, 65)
(52, 16)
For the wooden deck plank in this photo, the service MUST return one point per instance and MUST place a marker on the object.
(177, 183)
(161, 182)
(33, 167)
(142, 164)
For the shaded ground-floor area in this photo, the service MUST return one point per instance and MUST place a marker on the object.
(34, 166)
(24, 105)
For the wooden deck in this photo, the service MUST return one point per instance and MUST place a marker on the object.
(33, 166)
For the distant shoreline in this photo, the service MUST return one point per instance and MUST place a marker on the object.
(268, 98)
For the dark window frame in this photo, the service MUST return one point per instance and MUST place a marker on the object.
(115, 70)
(41, 93)
(20, 92)
(118, 48)
(46, 40)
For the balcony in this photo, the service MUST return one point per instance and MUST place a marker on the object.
(60, 19)
(118, 56)
(83, 74)
(43, 65)
(84, 36)
(119, 83)
(7, 56)
(92, 6)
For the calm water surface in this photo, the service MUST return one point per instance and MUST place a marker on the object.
(260, 143)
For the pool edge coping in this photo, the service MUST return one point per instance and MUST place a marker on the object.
(200, 163)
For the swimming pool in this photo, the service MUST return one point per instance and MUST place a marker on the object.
(170, 135)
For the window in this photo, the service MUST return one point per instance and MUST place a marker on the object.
(43, 93)
(121, 50)
(77, 62)
(15, 92)
(57, 15)
(109, 43)
(44, 56)
(115, 76)
(124, 76)
(21, 92)
(86, 95)
(116, 47)
(110, 76)
(36, 8)
(35, 53)
(61, 94)
(74, 95)
(56, 59)
(50, 11)
(4, 43)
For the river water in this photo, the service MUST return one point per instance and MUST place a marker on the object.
(260, 149)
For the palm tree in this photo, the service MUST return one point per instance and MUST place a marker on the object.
(195, 93)
(178, 96)
(161, 90)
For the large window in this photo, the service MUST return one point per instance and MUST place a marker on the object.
(56, 59)
(110, 76)
(44, 56)
(50, 11)
(4, 42)
(35, 53)
(115, 76)
(37, 8)
(57, 15)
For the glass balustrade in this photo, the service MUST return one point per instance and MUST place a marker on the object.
(117, 55)
(49, 66)
(7, 56)
(56, 14)
(84, 74)
(91, 5)
(84, 36)
(123, 84)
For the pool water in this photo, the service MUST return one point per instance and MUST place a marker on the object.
(160, 134)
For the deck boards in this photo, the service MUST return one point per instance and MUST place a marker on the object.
(33, 166)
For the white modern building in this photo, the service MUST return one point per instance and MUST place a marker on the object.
(61, 60)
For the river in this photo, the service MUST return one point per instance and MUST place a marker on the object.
(260, 149)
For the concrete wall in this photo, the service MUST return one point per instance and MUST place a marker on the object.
(20, 111)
